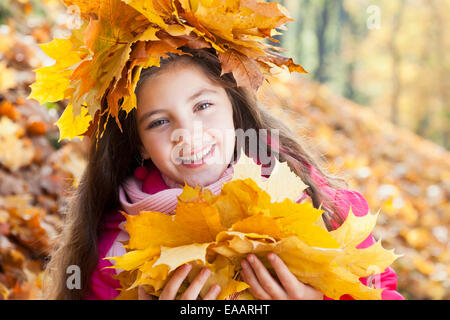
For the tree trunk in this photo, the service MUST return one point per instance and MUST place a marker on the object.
(396, 60)
(321, 27)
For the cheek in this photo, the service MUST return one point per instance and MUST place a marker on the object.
(222, 117)
(222, 129)
(157, 146)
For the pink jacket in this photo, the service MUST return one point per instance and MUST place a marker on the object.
(103, 286)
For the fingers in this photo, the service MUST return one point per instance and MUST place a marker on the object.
(250, 278)
(267, 282)
(196, 285)
(171, 288)
(312, 293)
(262, 286)
(294, 288)
(191, 293)
(213, 293)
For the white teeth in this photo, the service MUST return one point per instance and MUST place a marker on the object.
(197, 156)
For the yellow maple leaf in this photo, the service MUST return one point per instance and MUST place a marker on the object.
(218, 231)
(53, 81)
(73, 127)
(134, 259)
(281, 184)
(175, 257)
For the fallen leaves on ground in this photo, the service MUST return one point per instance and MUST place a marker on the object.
(36, 173)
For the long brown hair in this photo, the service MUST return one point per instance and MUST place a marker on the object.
(116, 154)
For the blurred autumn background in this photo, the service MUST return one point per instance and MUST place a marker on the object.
(375, 105)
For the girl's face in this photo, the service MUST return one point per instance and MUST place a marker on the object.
(181, 114)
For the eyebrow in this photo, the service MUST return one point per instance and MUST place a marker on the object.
(194, 96)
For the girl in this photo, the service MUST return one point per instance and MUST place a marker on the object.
(145, 167)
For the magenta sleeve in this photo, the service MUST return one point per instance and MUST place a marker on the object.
(387, 279)
(101, 285)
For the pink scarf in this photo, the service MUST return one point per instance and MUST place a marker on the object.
(150, 190)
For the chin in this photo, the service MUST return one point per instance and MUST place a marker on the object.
(204, 178)
(201, 182)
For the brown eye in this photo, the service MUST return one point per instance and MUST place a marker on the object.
(203, 104)
(156, 123)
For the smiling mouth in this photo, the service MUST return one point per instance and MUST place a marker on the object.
(197, 159)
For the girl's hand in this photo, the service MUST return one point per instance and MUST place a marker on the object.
(264, 287)
(173, 285)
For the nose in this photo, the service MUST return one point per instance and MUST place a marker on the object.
(189, 137)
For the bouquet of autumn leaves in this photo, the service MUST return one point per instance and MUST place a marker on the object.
(256, 215)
